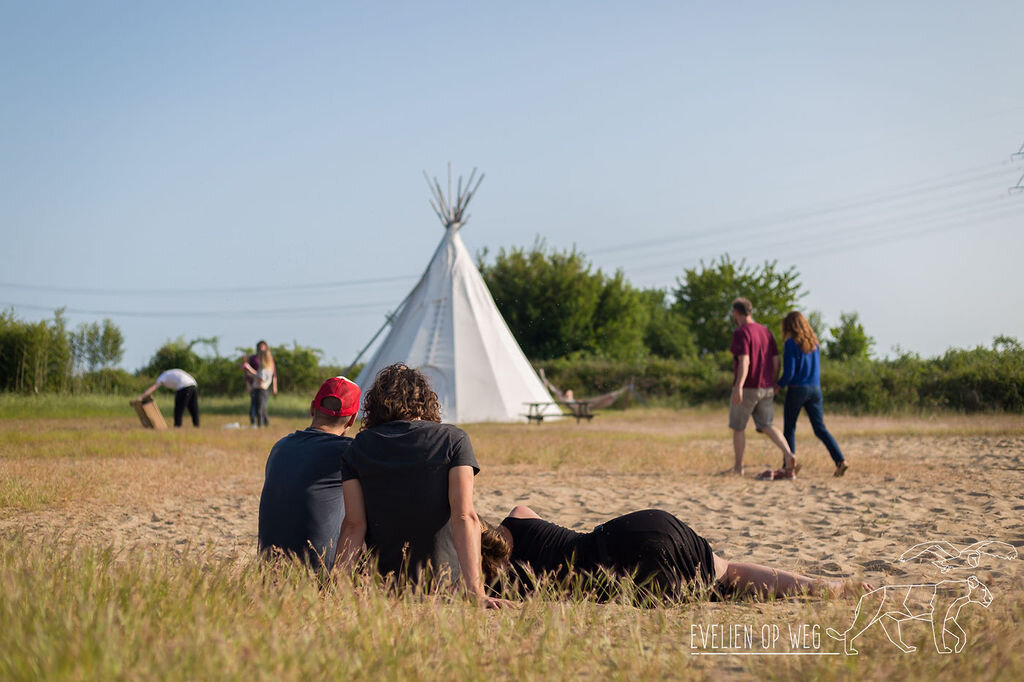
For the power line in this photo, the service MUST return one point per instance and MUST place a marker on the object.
(207, 290)
(782, 218)
(877, 234)
(845, 225)
(994, 212)
(866, 204)
(1019, 187)
(280, 312)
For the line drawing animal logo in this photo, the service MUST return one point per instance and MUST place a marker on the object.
(948, 556)
(937, 603)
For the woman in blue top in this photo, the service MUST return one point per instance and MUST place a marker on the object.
(801, 373)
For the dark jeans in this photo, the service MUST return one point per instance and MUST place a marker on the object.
(253, 406)
(259, 401)
(808, 398)
(187, 397)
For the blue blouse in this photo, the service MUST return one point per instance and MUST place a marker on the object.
(800, 368)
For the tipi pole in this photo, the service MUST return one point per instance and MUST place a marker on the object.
(390, 318)
(367, 346)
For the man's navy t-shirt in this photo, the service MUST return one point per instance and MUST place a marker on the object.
(402, 467)
(301, 507)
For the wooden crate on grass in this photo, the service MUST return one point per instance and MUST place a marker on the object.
(149, 414)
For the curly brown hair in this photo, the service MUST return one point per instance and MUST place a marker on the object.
(400, 393)
(795, 326)
(495, 552)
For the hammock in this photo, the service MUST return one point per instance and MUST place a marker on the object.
(596, 403)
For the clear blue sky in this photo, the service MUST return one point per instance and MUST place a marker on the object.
(228, 166)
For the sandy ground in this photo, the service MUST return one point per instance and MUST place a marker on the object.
(900, 491)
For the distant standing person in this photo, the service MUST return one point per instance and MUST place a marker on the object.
(254, 362)
(801, 373)
(186, 393)
(301, 506)
(262, 377)
(755, 369)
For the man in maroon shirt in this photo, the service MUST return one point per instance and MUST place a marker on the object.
(755, 370)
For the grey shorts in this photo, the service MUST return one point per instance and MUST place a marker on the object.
(757, 402)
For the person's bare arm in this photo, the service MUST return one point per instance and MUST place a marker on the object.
(465, 527)
(742, 369)
(149, 391)
(353, 526)
(275, 382)
(466, 535)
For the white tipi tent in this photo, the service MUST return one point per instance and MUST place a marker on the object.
(449, 328)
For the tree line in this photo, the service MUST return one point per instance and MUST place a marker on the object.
(593, 332)
(590, 331)
(49, 357)
(558, 306)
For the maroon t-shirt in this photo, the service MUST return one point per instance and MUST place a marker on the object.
(755, 340)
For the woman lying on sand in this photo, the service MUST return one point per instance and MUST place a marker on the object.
(665, 557)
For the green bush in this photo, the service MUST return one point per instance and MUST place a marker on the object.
(676, 382)
(35, 357)
(556, 305)
(982, 379)
(110, 381)
(298, 367)
(704, 297)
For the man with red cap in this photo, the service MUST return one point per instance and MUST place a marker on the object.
(301, 506)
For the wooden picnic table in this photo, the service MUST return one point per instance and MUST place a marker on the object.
(579, 410)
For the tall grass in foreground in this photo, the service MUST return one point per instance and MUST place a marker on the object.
(83, 613)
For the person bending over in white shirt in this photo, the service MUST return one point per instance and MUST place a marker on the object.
(186, 395)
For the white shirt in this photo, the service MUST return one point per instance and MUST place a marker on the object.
(175, 379)
(265, 378)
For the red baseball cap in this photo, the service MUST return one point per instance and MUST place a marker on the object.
(342, 389)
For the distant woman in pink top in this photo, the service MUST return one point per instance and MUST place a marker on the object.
(262, 378)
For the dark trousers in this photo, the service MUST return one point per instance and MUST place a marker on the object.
(253, 406)
(808, 398)
(259, 402)
(187, 397)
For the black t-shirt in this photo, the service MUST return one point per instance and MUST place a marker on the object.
(301, 507)
(402, 467)
(542, 547)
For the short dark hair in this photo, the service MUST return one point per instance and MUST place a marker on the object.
(331, 403)
(743, 306)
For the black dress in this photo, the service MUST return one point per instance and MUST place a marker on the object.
(664, 555)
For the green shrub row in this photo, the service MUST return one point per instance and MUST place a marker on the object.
(975, 380)
(48, 357)
(299, 368)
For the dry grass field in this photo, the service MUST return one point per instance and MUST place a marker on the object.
(130, 554)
